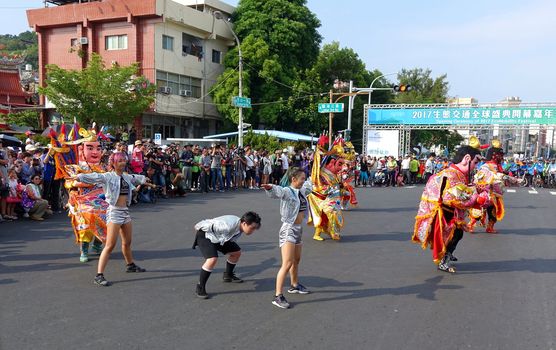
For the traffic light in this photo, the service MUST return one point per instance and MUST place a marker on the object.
(402, 88)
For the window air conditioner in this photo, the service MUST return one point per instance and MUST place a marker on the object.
(185, 92)
(83, 40)
(165, 90)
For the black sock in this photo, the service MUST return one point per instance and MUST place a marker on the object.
(100, 274)
(203, 277)
(230, 268)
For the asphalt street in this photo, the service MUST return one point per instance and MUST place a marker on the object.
(372, 290)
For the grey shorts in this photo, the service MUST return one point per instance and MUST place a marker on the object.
(118, 215)
(290, 233)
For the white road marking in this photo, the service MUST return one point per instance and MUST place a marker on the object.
(553, 193)
(533, 191)
(510, 191)
(409, 186)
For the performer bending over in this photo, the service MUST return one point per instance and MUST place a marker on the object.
(293, 210)
(219, 235)
(118, 187)
(445, 200)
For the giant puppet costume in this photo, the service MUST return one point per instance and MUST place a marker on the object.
(490, 178)
(447, 196)
(86, 204)
(328, 189)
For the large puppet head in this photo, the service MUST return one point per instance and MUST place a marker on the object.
(466, 158)
(495, 152)
(90, 152)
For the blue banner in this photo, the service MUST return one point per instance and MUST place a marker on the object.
(462, 116)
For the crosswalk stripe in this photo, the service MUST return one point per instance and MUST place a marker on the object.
(553, 193)
(533, 192)
(510, 191)
(409, 186)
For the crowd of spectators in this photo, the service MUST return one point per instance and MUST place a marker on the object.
(28, 188)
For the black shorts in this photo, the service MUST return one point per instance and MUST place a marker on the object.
(250, 174)
(210, 250)
(4, 191)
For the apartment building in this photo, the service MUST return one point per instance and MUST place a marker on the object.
(178, 44)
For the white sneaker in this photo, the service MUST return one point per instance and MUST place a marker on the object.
(26, 215)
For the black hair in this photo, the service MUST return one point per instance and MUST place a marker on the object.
(463, 151)
(251, 218)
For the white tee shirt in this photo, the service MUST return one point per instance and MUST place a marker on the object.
(285, 162)
(405, 163)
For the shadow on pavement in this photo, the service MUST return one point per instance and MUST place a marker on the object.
(373, 237)
(537, 265)
(426, 290)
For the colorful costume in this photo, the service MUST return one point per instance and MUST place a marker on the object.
(329, 192)
(490, 178)
(440, 220)
(445, 193)
(86, 204)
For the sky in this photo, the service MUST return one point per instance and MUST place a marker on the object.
(489, 50)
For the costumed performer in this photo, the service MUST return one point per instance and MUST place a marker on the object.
(86, 204)
(490, 178)
(325, 200)
(445, 200)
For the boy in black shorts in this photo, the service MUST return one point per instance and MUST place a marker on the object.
(220, 235)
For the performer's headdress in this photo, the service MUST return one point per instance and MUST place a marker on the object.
(494, 149)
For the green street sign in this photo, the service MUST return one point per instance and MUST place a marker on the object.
(331, 107)
(243, 102)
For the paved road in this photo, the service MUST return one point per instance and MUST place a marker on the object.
(372, 290)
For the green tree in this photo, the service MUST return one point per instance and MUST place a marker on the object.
(279, 40)
(25, 44)
(24, 118)
(106, 95)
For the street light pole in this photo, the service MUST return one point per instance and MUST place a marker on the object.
(219, 15)
(375, 79)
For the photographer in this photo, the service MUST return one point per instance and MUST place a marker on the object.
(157, 162)
(240, 164)
(216, 168)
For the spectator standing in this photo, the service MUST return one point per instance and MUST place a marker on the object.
(429, 167)
(216, 169)
(186, 160)
(205, 170)
(4, 188)
(413, 169)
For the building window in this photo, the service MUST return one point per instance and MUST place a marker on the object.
(115, 42)
(167, 42)
(73, 42)
(216, 56)
(190, 86)
(191, 46)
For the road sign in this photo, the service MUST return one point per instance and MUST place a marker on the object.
(475, 115)
(158, 139)
(243, 102)
(331, 107)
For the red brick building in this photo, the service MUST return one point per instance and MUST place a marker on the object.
(128, 31)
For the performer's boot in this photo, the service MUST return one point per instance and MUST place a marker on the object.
(490, 227)
(97, 246)
(483, 221)
(471, 226)
(445, 266)
(335, 236)
(317, 234)
(84, 252)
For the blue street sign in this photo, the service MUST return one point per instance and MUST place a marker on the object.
(243, 102)
(331, 107)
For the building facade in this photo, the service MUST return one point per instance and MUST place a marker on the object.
(178, 44)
